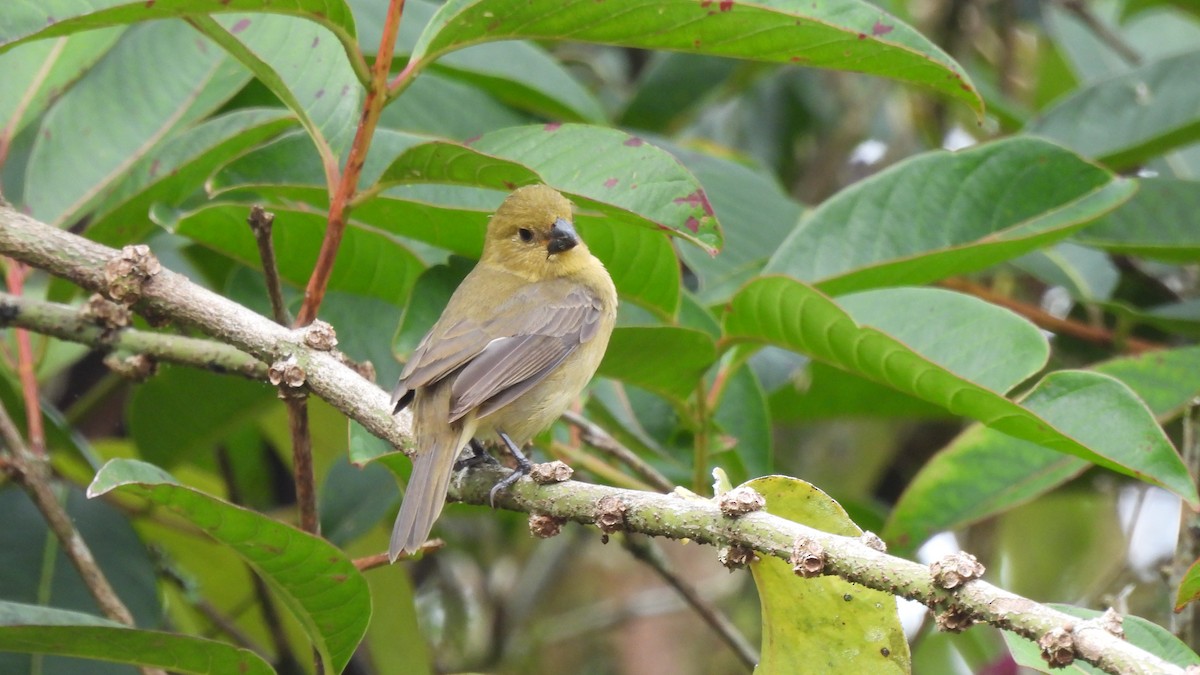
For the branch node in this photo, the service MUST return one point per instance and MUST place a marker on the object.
(545, 526)
(287, 372)
(955, 570)
(104, 312)
(1110, 622)
(736, 557)
(739, 501)
(320, 336)
(610, 514)
(808, 557)
(127, 272)
(551, 472)
(137, 367)
(954, 620)
(872, 541)
(1058, 647)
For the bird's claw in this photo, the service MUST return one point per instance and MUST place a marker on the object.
(504, 484)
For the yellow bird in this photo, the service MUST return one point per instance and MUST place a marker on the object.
(521, 337)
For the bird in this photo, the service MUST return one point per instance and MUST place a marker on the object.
(520, 338)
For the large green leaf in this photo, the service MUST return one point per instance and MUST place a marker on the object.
(301, 64)
(756, 215)
(440, 106)
(35, 74)
(1159, 222)
(1127, 119)
(984, 472)
(25, 21)
(369, 263)
(44, 630)
(824, 624)
(520, 73)
(842, 34)
(320, 586)
(619, 175)
(168, 177)
(940, 214)
(158, 78)
(639, 355)
(787, 313)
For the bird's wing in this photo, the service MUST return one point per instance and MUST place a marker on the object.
(500, 358)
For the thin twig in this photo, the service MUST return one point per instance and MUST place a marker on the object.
(260, 224)
(33, 474)
(302, 461)
(339, 201)
(1054, 324)
(1105, 34)
(595, 436)
(646, 551)
(296, 399)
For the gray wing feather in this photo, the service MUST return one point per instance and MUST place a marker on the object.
(494, 364)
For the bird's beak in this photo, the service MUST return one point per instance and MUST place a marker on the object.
(562, 237)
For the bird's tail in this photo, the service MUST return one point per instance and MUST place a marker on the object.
(438, 446)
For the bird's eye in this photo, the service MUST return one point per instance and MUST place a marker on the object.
(525, 234)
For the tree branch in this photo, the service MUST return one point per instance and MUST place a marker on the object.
(166, 294)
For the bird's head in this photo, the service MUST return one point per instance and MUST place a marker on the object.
(533, 234)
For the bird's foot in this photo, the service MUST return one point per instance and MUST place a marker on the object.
(479, 457)
(524, 466)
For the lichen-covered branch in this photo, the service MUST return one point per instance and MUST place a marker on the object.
(68, 323)
(952, 591)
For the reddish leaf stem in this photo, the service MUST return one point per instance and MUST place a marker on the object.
(15, 277)
(339, 202)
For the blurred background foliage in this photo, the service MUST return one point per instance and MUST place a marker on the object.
(1072, 202)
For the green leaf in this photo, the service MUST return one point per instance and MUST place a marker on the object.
(526, 77)
(25, 21)
(831, 393)
(183, 412)
(842, 34)
(881, 231)
(1125, 120)
(984, 472)
(635, 355)
(301, 63)
(354, 500)
(369, 263)
(1139, 632)
(619, 175)
(976, 340)
(35, 74)
(1159, 222)
(440, 106)
(320, 586)
(743, 417)
(1189, 587)
(1088, 274)
(824, 624)
(92, 136)
(755, 215)
(789, 314)
(672, 86)
(44, 630)
(168, 177)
